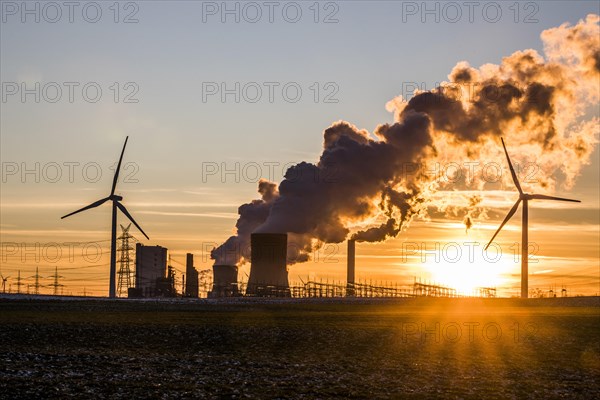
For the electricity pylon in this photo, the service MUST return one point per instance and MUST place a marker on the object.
(125, 279)
(55, 284)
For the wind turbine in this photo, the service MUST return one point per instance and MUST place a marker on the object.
(113, 239)
(524, 197)
(4, 279)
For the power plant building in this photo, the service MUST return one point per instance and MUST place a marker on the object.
(268, 272)
(225, 282)
(150, 267)
(191, 277)
(350, 267)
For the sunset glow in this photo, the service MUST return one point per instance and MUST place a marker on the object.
(422, 167)
(300, 200)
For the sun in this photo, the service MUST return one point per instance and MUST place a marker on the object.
(462, 267)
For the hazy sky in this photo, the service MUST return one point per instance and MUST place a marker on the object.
(75, 83)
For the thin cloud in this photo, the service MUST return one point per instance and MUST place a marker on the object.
(131, 204)
(183, 214)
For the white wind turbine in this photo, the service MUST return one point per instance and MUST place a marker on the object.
(523, 197)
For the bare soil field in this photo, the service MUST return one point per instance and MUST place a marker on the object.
(300, 349)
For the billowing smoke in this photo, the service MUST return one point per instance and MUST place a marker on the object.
(252, 215)
(536, 104)
(474, 211)
(322, 200)
(370, 186)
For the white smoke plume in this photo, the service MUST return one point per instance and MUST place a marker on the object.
(252, 215)
(536, 102)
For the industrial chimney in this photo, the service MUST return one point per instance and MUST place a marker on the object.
(350, 268)
(268, 273)
(191, 275)
(224, 281)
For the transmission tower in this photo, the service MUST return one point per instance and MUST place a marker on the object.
(56, 285)
(36, 285)
(19, 284)
(125, 278)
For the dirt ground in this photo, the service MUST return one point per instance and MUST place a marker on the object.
(300, 349)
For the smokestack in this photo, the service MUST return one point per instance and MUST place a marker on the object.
(191, 274)
(268, 274)
(224, 281)
(350, 267)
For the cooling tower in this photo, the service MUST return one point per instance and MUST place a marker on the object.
(224, 281)
(268, 273)
(350, 268)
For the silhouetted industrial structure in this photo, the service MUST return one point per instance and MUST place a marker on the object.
(36, 285)
(362, 289)
(204, 282)
(357, 289)
(225, 282)
(433, 290)
(268, 272)
(350, 267)
(486, 292)
(165, 286)
(150, 267)
(55, 283)
(19, 284)
(191, 277)
(126, 280)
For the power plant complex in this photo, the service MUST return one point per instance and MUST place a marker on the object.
(155, 277)
(268, 273)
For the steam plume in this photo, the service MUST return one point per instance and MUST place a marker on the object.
(537, 103)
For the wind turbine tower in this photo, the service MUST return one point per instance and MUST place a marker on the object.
(4, 279)
(523, 197)
(116, 204)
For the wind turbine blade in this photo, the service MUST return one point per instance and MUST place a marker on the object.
(544, 197)
(124, 211)
(512, 212)
(512, 170)
(94, 204)
(116, 178)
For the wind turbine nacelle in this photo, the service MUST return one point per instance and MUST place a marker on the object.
(116, 197)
